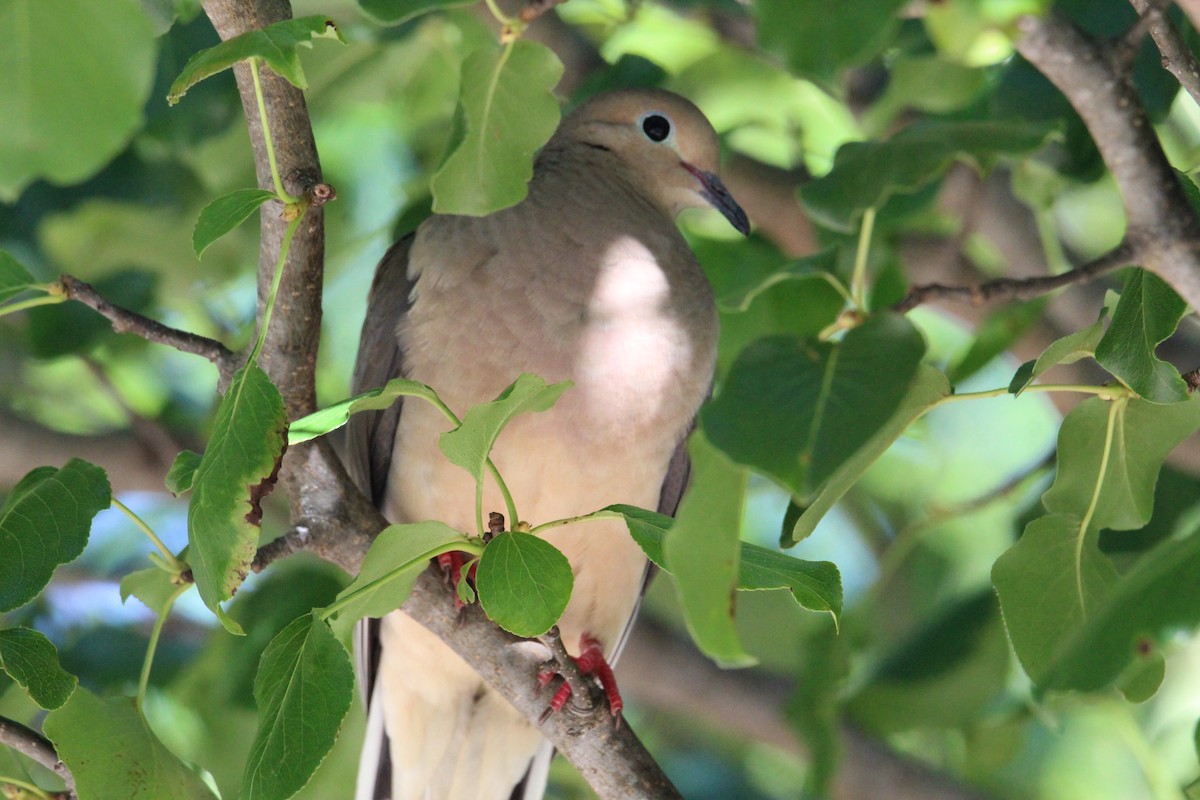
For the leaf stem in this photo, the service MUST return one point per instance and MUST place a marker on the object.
(44, 300)
(858, 280)
(172, 562)
(275, 279)
(1108, 392)
(266, 129)
(1113, 411)
(572, 520)
(509, 505)
(498, 14)
(148, 662)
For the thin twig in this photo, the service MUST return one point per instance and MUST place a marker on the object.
(29, 742)
(1126, 48)
(1176, 57)
(125, 321)
(1019, 288)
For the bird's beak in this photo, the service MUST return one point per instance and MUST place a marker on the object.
(718, 197)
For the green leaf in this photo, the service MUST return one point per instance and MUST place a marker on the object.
(1147, 313)
(75, 83)
(523, 582)
(45, 522)
(335, 416)
(237, 470)
(702, 551)
(14, 278)
(154, 587)
(819, 266)
(866, 174)
(816, 585)
(469, 444)
(303, 689)
(224, 214)
(394, 12)
(112, 752)
(506, 111)
(31, 660)
(1067, 350)
(391, 567)
(818, 39)
(182, 472)
(275, 44)
(1049, 583)
(1137, 436)
(927, 390)
(797, 409)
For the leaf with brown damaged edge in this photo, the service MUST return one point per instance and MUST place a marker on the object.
(237, 470)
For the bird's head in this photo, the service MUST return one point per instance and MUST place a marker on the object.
(668, 145)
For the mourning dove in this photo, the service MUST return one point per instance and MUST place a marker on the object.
(586, 280)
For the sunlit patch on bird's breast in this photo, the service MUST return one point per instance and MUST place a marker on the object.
(635, 351)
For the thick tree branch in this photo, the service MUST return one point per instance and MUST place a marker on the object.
(125, 321)
(1162, 225)
(1003, 289)
(29, 742)
(1176, 57)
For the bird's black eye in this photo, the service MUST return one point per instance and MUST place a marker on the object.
(657, 127)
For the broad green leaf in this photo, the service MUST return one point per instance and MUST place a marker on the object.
(335, 416)
(815, 706)
(1147, 313)
(816, 585)
(797, 409)
(1050, 583)
(75, 81)
(505, 113)
(14, 278)
(1067, 350)
(45, 522)
(469, 444)
(224, 214)
(1136, 435)
(929, 387)
(31, 660)
(112, 752)
(702, 552)
(394, 12)
(182, 472)
(391, 567)
(1150, 604)
(275, 44)
(524, 583)
(819, 39)
(237, 470)
(819, 266)
(303, 689)
(866, 174)
(154, 587)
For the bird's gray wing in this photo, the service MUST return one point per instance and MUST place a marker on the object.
(369, 439)
(370, 434)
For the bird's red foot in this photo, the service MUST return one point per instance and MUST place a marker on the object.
(590, 661)
(452, 565)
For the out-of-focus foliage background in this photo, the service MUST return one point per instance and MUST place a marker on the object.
(921, 663)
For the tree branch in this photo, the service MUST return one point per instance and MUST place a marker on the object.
(29, 742)
(1176, 57)
(1020, 288)
(1162, 226)
(125, 321)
